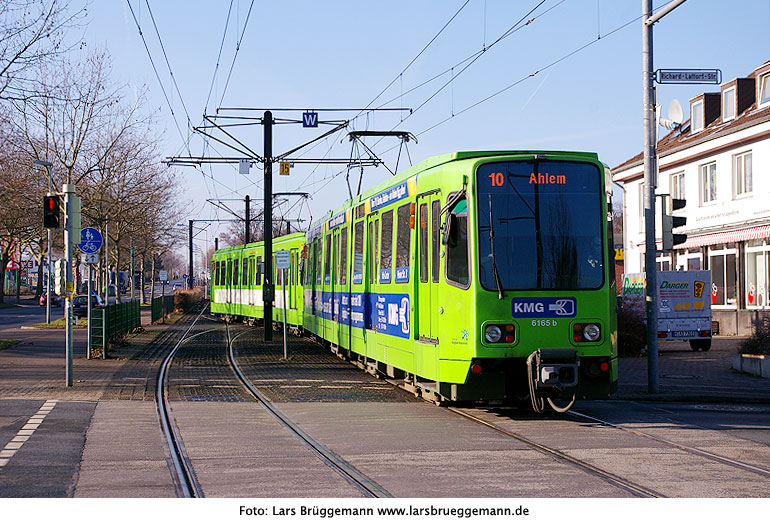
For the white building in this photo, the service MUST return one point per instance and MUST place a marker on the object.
(719, 162)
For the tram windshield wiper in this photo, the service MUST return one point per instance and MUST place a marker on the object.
(500, 293)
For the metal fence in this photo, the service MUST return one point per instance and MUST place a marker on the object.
(162, 306)
(113, 321)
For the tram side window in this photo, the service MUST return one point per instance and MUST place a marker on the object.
(215, 272)
(328, 259)
(372, 252)
(336, 257)
(436, 224)
(317, 259)
(245, 278)
(424, 243)
(228, 276)
(457, 247)
(403, 243)
(344, 256)
(386, 244)
(358, 253)
(235, 272)
(258, 277)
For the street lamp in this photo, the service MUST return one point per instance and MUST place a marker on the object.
(47, 165)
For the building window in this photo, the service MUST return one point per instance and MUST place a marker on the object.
(663, 261)
(764, 90)
(728, 104)
(742, 176)
(757, 274)
(677, 186)
(708, 183)
(696, 116)
(724, 276)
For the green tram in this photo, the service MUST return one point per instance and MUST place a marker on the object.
(237, 278)
(474, 276)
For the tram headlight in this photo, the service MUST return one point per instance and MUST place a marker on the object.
(587, 332)
(592, 332)
(492, 334)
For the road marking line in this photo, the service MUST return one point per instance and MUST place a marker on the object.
(26, 432)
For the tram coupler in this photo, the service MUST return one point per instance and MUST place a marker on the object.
(554, 369)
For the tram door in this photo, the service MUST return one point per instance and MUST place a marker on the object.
(372, 272)
(429, 266)
(293, 279)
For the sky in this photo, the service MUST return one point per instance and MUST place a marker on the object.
(570, 79)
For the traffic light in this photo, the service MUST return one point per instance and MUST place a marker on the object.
(670, 222)
(51, 210)
(60, 276)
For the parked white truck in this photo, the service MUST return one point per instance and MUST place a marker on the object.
(684, 305)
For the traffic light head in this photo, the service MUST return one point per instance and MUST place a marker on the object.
(669, 222)
(51, 211)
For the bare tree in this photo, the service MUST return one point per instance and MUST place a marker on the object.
(31, 32)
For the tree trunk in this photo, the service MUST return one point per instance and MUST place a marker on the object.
(141, 278)
(152, 278)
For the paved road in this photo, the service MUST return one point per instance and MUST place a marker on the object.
(25, 314)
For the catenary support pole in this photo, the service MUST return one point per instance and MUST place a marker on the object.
(247, 239)
(190, 270)
(269, 286)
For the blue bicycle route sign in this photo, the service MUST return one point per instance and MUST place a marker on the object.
(91, 240)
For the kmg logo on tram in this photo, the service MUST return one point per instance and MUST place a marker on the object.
(539, 307)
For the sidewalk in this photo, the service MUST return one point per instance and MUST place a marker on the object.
(696, 376)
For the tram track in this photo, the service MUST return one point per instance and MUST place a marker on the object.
(614, 479)
(690, 450)
(185, 481)
(364, 484)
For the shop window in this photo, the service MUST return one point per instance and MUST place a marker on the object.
(722, 263)
(757, 274)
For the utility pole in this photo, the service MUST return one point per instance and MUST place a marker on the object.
(650, 183)
(190, 270)
(268, 287)
(69, 198)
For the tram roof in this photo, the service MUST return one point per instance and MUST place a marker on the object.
(436, 161)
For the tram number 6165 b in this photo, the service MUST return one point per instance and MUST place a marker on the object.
(544, 323)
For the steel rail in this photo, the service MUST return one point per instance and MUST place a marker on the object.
(614, 479)
(360, 481)
(691, 450)
(185, 482)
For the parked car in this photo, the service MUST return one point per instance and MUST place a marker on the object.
(80, 304)
(56, 300)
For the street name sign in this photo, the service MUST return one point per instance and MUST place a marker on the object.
(688, 76)
(90, 240)
(162, 276)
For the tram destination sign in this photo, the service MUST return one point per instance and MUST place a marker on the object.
(688, 76)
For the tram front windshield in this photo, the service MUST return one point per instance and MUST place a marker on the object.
(540, 225)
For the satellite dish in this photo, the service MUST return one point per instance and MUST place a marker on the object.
(675, 112)
(675, 116)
